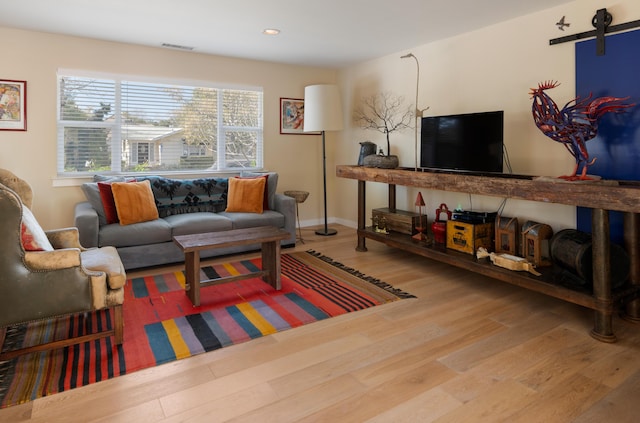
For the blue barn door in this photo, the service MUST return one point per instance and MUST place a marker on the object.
(617, 146)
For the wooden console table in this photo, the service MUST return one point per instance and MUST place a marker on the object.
(601, 197)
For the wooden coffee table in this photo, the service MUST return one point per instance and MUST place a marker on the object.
(191, 245)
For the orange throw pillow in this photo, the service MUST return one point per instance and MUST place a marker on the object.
(134, 202)
(246, 195)
(265, 203)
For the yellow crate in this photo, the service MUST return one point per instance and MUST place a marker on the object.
(468, 237)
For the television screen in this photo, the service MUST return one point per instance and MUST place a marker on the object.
(465, 142)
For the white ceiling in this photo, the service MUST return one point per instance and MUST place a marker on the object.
(329, 33)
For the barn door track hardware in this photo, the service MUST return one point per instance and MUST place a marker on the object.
(602, 24)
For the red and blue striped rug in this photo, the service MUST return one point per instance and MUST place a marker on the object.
(161, 324)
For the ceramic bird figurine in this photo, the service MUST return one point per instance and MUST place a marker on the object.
(574, 124)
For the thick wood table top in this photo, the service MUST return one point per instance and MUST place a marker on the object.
(203, 241)
(605, 194)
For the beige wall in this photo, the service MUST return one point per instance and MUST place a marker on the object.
(489, 69)
(35, 57)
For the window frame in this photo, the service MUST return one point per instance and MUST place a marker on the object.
(116, 125)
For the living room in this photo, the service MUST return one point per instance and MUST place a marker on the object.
(492, 68)
(488, 69)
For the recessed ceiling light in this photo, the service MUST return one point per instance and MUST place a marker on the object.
(176, 46)
(271, 31)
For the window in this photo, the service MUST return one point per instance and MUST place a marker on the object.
(118, 125)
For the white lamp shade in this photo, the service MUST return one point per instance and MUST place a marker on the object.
(322, 108)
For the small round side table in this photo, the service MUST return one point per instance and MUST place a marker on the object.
(300, 197)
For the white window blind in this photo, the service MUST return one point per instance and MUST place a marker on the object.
(114, 125)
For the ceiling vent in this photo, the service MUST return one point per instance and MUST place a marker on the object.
(177, 46)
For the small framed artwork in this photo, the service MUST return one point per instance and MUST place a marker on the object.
(13, 105)
(292, 117)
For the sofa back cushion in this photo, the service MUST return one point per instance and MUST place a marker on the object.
(177, 196)
(92, 193)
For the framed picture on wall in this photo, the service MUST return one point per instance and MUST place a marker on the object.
(292, 116)
(13, 105)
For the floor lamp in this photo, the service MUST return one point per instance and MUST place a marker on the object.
(418, 112)
(323, 112)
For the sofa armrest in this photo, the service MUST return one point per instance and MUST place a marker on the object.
(86, 220)
(287, 206)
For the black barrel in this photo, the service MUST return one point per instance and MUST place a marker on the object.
(572, 249)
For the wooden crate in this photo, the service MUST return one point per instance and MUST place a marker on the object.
(468, 237)
(401, 221)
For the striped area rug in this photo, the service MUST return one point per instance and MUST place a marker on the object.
(161, 324)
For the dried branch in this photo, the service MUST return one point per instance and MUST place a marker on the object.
(384, 112)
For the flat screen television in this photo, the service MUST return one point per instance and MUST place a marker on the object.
(466, 142)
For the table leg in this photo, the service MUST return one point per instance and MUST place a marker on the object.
(192, 273)
(392, 197)
(632, 245)
(271, 264)
(603, 325)
(362, 218)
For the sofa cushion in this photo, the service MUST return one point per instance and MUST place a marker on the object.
(252, 220)
(272, 185)
(246, 195)
(265, 191)
(92, 193)
(134, 202)
(177, 196)
(105, 260)
(108, 203)
(142, 233)
(199, 222)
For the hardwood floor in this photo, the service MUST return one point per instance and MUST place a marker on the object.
(468, 349)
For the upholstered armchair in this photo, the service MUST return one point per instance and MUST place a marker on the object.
(55, 278)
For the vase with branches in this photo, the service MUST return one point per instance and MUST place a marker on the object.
(385, 113)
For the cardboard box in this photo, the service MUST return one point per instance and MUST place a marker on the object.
(468, 237)
(401, 221)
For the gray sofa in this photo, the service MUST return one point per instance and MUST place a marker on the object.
(185, 206)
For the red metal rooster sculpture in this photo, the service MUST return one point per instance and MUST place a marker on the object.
(575, 124)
